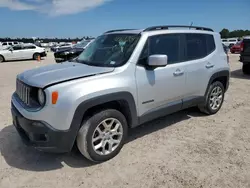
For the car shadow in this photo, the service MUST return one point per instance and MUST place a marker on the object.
(239, 74)
(17, 155)
(21, 60)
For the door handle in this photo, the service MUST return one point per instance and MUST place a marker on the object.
(178, 72)
(209, 65)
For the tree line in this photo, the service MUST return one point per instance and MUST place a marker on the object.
(44, 40)
(225, 33)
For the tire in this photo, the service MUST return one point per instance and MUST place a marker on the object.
(206, 107)
(35, 56)
(1, 59)
(89, 130)
(246, 69)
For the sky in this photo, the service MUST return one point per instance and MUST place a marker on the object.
(78, 18)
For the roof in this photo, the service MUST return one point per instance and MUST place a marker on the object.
(160, 28)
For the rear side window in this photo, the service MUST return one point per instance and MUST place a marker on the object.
(196, 46)
(15, 43)
(4, 44)
(10, 43)
(166, 44)
(199, 46)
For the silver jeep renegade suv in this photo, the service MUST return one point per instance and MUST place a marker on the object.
(123, 79)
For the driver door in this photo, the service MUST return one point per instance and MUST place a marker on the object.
(16, 53)
(161, 90)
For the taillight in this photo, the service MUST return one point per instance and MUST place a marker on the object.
(241, 46)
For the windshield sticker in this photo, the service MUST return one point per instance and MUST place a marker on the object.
(112, 62)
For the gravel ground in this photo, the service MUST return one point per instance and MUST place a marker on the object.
(186, 149)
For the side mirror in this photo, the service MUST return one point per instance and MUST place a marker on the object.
(158, 60)
(11, 49)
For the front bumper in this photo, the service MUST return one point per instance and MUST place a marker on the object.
(40, 135)
(43, 54)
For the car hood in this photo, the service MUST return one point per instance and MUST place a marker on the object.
(56, 73)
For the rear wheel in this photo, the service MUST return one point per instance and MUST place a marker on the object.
(102, 136)
(246, 68)
(1, 59)
(214, 98)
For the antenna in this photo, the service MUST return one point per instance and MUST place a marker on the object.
(191, 25)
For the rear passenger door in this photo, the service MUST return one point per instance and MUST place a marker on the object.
(200, 63)
(29, 51)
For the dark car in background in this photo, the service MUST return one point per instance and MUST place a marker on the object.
(245, 55)
(61, 47)
(71, 53)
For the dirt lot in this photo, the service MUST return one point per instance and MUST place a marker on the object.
(185, 149)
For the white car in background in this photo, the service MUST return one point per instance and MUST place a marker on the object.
(4, 45)
(20, 52)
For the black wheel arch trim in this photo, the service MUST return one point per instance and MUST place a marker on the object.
(224, 73)
(85, 105)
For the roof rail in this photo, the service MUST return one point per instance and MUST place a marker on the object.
(118, 30)
(162, 27)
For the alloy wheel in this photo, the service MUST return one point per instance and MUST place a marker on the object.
(107, 136)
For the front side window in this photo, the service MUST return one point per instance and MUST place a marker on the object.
(110, 50)
(5, 43)
(17, 47)
(166, 45)
(162, 45)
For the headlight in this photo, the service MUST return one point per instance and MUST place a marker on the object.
(41, 97)
(66, 53)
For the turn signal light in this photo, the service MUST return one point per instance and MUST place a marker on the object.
(54, 97)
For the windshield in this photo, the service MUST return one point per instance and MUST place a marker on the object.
(110, 50)
(82, 44)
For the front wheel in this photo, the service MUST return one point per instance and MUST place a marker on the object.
(213, 99)
(1, 59)
(102, 136)
(35, 56)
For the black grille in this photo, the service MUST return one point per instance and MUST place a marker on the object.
(23, 92)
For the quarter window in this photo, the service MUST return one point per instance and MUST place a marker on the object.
(210, 44)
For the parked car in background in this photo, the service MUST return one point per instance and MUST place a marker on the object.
(245, 55)
(230, 41)
(71, 53)
(4, 45)
(61, 47)
(19, 52)
(236, 48)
